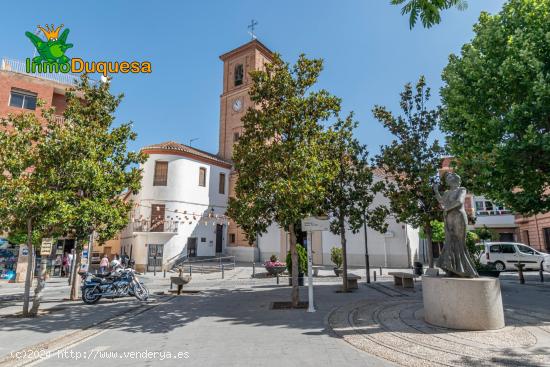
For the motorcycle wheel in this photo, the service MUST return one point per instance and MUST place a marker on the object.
(90, 295)
(141, 292)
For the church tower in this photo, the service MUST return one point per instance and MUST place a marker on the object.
(234, 101)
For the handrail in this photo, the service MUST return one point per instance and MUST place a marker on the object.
(210, 259)
(18, 66)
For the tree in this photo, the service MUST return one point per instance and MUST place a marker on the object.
(428, 10)
(28, 196)
(282, 166)
(99, 168)
(496, 107)
(351, 193)
(412, 160)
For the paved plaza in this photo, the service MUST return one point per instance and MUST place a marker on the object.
(229, 322)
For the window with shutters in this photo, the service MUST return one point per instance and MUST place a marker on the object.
(161, 174)
(202, 176)
(221, 187)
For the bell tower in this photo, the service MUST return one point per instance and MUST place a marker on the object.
(234, 101)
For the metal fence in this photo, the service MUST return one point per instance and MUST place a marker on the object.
(18, 66)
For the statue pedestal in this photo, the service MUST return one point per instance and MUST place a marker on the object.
(462, 303)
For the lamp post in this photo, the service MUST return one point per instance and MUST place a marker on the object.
(367, 263)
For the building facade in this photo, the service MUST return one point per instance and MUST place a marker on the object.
(180, 209)
(395, 248)
(534, 231)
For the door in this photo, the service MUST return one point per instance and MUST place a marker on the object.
(154, 257)
(546, 239)
(317, 248)
(508, 254)
(157, 217)
(107, 251)
(219, 238)
(529, 257)
(192, 246)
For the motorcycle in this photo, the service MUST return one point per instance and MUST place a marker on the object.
(119, 283)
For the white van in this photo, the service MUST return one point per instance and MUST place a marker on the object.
(505, 254)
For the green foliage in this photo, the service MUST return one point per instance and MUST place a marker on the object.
(428, 10)
(29, 195)
(497, 107)
(282, 164)
(336, 256)
(412, 159)
(485, 234)
(94, 154)
(302, 260)
(438, 231)
(352, 191)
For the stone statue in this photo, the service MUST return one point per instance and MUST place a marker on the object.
(454, 258)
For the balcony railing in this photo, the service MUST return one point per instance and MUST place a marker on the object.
(163, 226)
(18, 66)
(483, 213)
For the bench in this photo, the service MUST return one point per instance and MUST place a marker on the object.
(352, 281)
(406, 280)
(316, 270)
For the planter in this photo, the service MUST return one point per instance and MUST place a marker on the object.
(300, 279)
(338, 271)
(489, 273)
(274, 270)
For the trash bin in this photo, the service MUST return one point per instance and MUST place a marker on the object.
(418, 268)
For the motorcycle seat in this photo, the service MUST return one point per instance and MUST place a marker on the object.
(104, 275)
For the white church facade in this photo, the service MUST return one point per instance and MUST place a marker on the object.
(180, 211)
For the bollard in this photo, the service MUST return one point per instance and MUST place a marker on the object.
(253, 270)
(277, 278)
(541, 274)
(190, 270)
(222, 272)
(375, 275)
(380, 271)
(520, 271)
(165, 273)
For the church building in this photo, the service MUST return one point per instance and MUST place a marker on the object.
(180, 211)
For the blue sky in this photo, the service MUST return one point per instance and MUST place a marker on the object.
(368, 49)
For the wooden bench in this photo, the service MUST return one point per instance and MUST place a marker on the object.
(406, 280)
(316, 270)
(352, 281)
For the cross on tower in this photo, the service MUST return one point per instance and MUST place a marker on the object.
(252, 26)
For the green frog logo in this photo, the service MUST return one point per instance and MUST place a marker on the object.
(52, 50)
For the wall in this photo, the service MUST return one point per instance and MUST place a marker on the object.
(182, 194)
(535, 226)
(43, 88)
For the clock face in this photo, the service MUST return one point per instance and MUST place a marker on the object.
(238, 105)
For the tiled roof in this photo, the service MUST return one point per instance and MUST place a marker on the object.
(177, 147)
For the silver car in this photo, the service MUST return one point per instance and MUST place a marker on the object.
(505, 254)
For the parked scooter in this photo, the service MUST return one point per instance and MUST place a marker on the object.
(120, 282)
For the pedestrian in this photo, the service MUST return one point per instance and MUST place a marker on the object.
(104, 264)
(70, 256)
(65, 264)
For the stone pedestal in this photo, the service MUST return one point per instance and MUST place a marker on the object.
(464, 304)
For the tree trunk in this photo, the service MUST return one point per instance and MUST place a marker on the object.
(428, 231)
(39, 287)
(295, 266)
(75, 283)
(342, 225)
(30, 270)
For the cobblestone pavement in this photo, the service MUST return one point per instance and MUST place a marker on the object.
(396, 331)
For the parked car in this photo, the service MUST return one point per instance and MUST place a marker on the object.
(505, 254)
